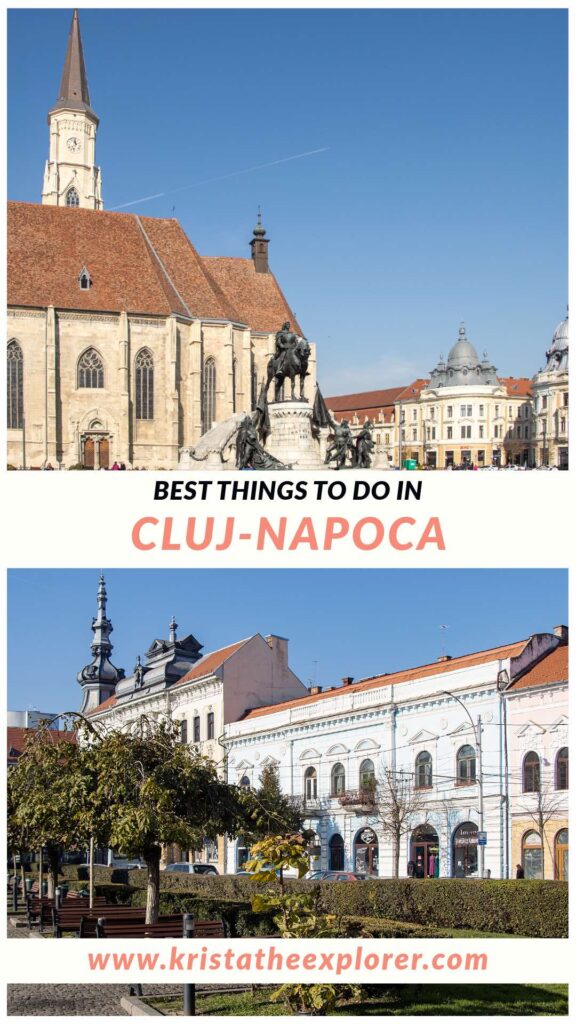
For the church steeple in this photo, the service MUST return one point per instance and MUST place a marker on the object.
(74, 93)
(259, 246)
(71, 177)
(98, 679)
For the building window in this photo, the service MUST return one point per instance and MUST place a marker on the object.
(144, 385)
(561, 855)
(310, 784)
(496, 410)
(72, 197)
(544, 401)
(449, 412)
(531, 773)
(414, 414)
(532, 855)
(561, 773)
(465, 766)
(336, 853)
(196, 728)
(183, 731)
(15, 386)
(465, 850)
(481, 410)
(433, 433)
(424, 770)
(210, 725)
(562, 425)
(244, 782)
(386, 438)
(414, 434)
(338, 780)
(367, 778)
(449, 433)
(208, 395)
(565, 398)
(462, 410)
(480, 431)
(84, 279)
(90, 370)
(466, 431)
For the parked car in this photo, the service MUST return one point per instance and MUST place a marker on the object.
(183, 867)
(315, 876)
(127, 863)
(342, 876)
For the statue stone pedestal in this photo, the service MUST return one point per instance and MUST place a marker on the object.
(291, 439)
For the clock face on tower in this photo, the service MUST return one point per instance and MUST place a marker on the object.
(73, 145)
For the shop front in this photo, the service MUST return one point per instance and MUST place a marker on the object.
(465, 851)
(425, 852)
(366, 853)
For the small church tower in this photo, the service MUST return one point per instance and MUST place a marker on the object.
(71, 177)
(98, 679)
(259, 246)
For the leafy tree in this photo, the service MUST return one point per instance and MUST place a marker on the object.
(269, 811)
(153, 790)
(50, 797)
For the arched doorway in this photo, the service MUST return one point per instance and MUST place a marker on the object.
(561, 855)
(425, 852)
(95, 448)
(465, 850)
(532, 855)
(366, 853)
(336, 853)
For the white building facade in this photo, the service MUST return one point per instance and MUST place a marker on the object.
(441, 726)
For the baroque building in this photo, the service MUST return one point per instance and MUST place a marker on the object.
(465, 414)
(124, 345)
(175, 680)
(550, 391)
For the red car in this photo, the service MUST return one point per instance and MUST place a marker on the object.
(342, 876)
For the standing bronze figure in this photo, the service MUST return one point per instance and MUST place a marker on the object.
(342, 445)
(364, 446)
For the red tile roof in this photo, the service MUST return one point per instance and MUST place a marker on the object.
(211, 662)
(520, 387)
(393, 678)
(257, 297)
(552, 668)
(17, 739)
(139, 264)
(207, 665)
(364, 400)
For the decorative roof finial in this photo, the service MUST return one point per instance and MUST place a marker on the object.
(173, 628)
(462, 330)
(259, 231)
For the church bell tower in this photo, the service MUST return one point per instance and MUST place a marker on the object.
(71, 177)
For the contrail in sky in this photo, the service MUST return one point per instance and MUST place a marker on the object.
(222, 177)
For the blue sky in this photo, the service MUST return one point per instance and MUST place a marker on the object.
(441, 195)
(339, 622)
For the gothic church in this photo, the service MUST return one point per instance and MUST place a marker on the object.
(124, 345)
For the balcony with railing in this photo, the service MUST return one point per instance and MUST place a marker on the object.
(360, 800)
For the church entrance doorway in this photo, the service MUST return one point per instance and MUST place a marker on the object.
(366, 853)
(95, 451)
(424, 852)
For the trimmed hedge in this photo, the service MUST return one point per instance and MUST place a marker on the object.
(528, 907)
(532, 908)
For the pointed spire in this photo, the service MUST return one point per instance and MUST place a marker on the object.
(73, 92)
(100, 674)
(173, 628)
(259, 246)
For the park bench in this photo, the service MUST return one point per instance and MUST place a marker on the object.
(40, 910)
(82, 920)
(167, 927)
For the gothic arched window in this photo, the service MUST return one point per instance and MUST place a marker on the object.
(90, 370)
(234, 377)
(208, 395)
(72, 197)
(144, 385)
(15, 386)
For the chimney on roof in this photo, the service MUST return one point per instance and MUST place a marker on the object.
(259, 246)
(347, 680)
(279, 645)
(562, 633)
(314, 690)
(444, 657)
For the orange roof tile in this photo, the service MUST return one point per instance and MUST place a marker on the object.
(520, 387)
(108, 703)
(17, 739)
(211, 661)
(137, 264)
(364, 400)
(552, 668)
(257, 297)
(404, 676)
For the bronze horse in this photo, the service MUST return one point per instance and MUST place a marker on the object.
(291, 363)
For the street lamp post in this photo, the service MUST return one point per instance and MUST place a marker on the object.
(477, 729)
